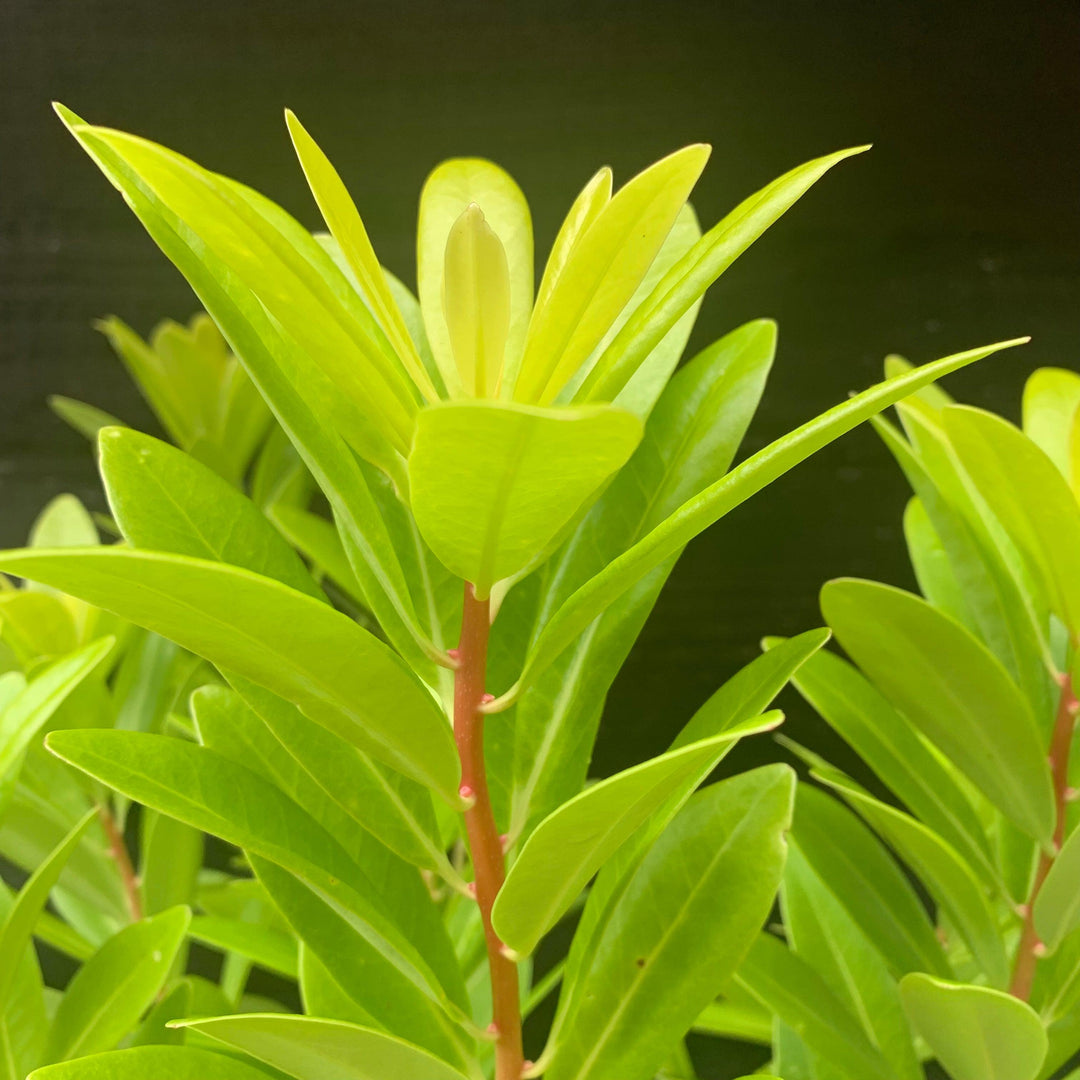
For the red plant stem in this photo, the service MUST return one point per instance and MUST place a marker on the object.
(485, 843)
(118, 851)
(1030, 947)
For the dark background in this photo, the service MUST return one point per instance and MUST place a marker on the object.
(960, 228)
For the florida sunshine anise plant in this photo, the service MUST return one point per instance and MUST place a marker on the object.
(490, 482)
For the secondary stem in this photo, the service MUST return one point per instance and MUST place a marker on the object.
(1030, 947)
(485, 843)
(118, 851)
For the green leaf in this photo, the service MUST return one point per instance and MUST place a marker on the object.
(690, 439)
(264, 945)
(1051, 398)
(64, 522)
(821, 931)
(892, 748)
(570, 845)
(273, 635)
(336, 783)
(688, 279)
(450, 188)
(602, 270)
(930, 561)
(680, 928)
(1057, 906)
(867, 881)
(20, 919)
(385, 985)
(313, 1049)
(115, 986)
(165, 500)
(1030, 497)
(153, 1031)
(945, 875)
(322, 995)
(711, 504)
(804, 1001)
(87, 420)
(172, 855)
(30, 709)
(494, 484)
(344, 222)
(952, 688)
(318, 541)
(161, 1062)
(976, 1033)
(303, 400)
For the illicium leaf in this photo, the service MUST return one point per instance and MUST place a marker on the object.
(138, 1063)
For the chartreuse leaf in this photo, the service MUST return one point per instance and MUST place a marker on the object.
(680, 928)
(171, 857)
(945, 875)
(346, 226)
(337, 673)
(263, 945)
(27, 712)
(1028, 495)
(806, 1004)
(385, 986)
(21, 918)
(64, 522)
(711, 504)
(312, 1049)
(930, 561)
(888, 743)
(322, 995)
(867, 881)
(1057, 906)
(115, 986)
(822, 932)
(493, 484)
(297, 282)
(87, 420)
(448, 191)
(571, 844)
(161, 1062)
(1051, 398)
(301, 397)
(602, 270)
(976, 1033)
(688, 279)
(953, 689)
(318, 541)
(165, 500)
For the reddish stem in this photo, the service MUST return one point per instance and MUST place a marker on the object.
(485, 844)
(1030, 948)
(119, 852)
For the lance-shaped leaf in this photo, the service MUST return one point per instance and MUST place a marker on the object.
(976, 1033)
(378, 978)
(1031, 499)
(571, 844)
(603, 269)
(867, 881)
(494, 484)
(681, 927)
(115, 986)
(140, 1062)
(165, 500)
(226, 799)
(28, 710)
(688, 279)
(21, 918)
(892, 748)
(346, 226)
(944, 874)
(711, 504)
(450, 188)
(313, 1049)
(952, 688)
(86, 419)
(302, 399)
(318, 541)
(1057, 907)
(263, 945)
(337, 673)
(806, 1004)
